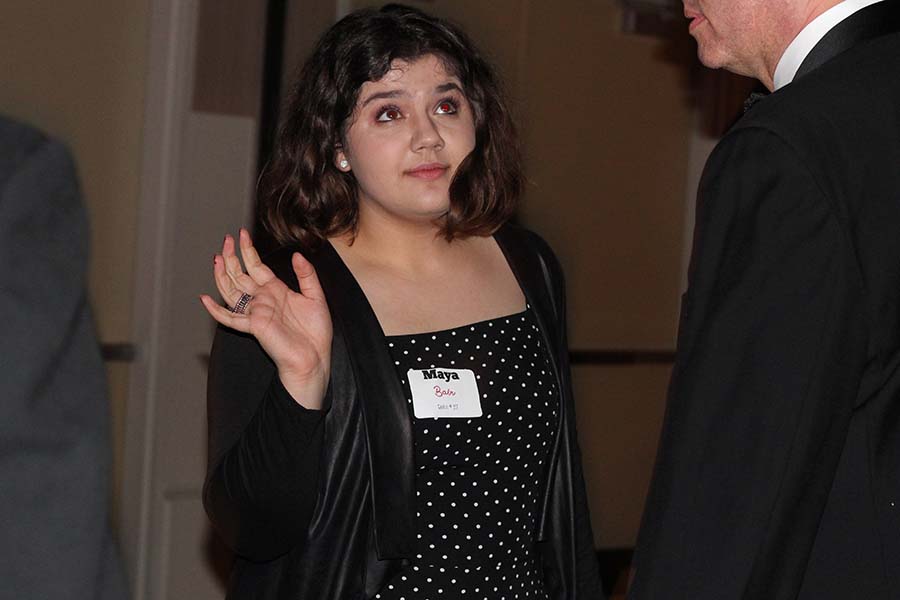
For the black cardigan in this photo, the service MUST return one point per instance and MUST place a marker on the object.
(320, 504)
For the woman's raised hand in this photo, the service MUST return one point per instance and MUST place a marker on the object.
(294, 329)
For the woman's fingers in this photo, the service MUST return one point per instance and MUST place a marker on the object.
(232, 262)
(240, 280)
(224, 283)
(224, 316)
(307, 278)
(260, 273)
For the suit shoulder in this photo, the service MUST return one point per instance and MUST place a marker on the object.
(18, 135)
(23, 147)
(752, 158)
(753, 140)
(856, 88)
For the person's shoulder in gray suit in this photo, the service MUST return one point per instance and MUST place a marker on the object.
(55, 538)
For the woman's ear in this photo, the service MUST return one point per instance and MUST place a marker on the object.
(340, 160)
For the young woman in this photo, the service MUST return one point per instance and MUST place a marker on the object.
(390, 410)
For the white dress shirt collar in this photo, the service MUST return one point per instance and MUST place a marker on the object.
(811, 35)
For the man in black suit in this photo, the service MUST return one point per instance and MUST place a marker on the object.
(778, 473)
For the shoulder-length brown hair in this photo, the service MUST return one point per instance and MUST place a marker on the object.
(305, 198)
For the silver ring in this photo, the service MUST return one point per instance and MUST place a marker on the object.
(240, 307)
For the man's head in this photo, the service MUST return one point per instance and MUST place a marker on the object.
(748, 37)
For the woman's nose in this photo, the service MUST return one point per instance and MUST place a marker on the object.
(426, 134)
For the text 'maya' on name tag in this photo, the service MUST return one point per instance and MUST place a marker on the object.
(444, 393)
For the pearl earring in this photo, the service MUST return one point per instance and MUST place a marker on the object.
(344, 163)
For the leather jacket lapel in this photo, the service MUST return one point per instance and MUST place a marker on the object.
(388, 427)
(532, 273)
(874, 21)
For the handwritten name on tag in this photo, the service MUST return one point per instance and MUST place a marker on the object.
(444, 393)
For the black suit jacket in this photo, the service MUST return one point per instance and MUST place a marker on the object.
(778, 473)
(320, 504)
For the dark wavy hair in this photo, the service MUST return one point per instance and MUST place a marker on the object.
(305, 198)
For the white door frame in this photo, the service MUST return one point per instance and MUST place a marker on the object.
(169, 84)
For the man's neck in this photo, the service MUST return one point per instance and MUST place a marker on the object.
(803, 15)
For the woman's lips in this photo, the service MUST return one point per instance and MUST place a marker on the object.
(428, 171)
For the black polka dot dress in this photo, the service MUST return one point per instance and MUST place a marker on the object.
(479, 479)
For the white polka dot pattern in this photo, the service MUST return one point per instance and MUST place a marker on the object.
(479, 481)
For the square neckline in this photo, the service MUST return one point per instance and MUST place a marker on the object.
(509, 266)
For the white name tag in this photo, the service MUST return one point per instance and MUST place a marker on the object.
(444, 393)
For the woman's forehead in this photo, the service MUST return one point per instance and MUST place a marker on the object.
(439, 65)
(427, 71)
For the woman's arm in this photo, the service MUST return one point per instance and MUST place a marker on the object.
(264, 451)
(269, 371)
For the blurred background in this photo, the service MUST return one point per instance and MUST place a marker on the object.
(169, 107)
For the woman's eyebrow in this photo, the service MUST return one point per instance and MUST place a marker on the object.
(382, 95)
(441, 89)
(446, 87)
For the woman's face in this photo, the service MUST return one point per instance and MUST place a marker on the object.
(410, 130)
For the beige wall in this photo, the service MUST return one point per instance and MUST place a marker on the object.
(76, 70)
(606, 135)
(228, 65)
(607, 129)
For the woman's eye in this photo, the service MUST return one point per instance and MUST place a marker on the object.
(389, 114)
(446, 108)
